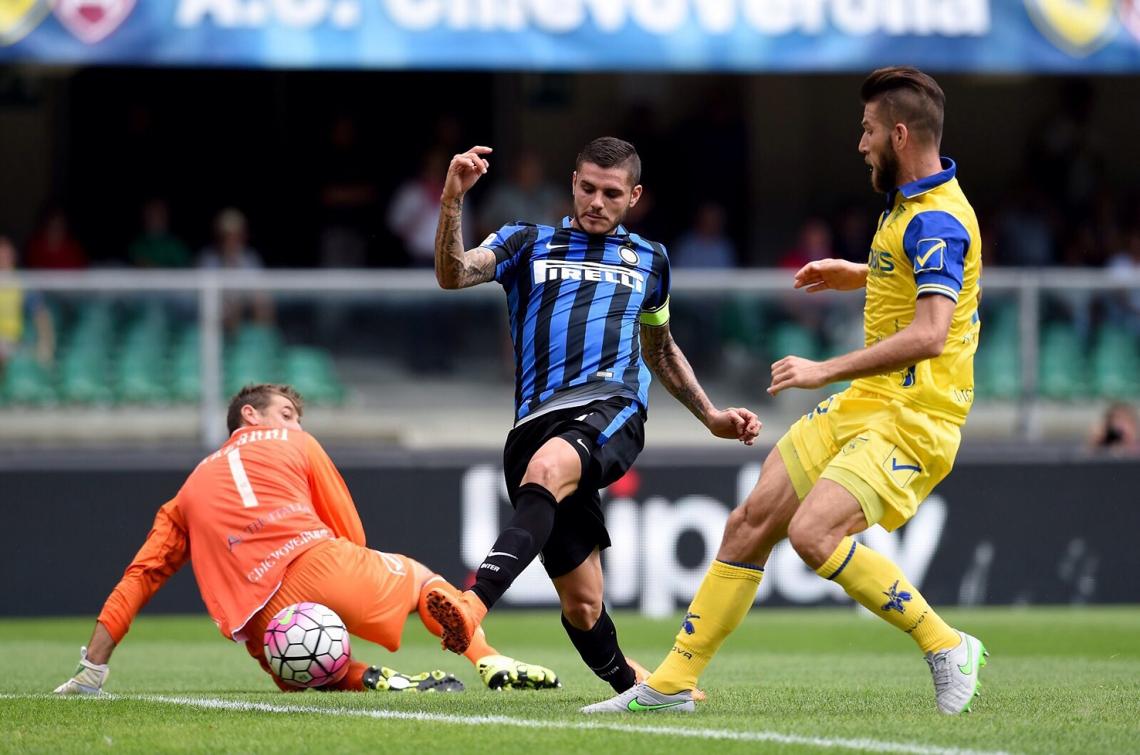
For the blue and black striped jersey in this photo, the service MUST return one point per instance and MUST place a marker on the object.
(575, 302)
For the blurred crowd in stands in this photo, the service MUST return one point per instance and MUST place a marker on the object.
(1059, 211)
(355, 203)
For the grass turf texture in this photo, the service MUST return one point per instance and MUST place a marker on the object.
(1059, 680)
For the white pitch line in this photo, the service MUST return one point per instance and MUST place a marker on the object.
(861, 745)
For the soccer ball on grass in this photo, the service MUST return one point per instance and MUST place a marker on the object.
(306, 645)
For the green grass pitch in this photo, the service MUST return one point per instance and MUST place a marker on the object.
(1059, 680)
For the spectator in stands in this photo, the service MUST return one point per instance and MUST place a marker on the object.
(854, 229)
(18, 310)
(705, 245)
(813, 242)
(156, 246)
(53, 246)
(1025, 230)
(347, 197)
(1067, 155)
(231, 251)
(525, 194)
(1124, 306)
(414, 211)
(1117, 433)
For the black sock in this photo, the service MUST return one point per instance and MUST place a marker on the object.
(518, 543)
(599, 649)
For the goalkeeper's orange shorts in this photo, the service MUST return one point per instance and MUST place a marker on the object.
(371, 591)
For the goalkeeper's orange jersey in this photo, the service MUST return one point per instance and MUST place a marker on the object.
(245, 512)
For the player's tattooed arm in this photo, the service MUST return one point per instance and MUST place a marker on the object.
(665, 358)
(455, 267)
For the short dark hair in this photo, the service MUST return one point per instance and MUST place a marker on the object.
(611, 152)
(258, 396)
(910, 96)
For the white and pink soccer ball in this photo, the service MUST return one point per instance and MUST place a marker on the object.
(306, 645)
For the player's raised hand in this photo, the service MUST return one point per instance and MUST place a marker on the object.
(831, 274)
(466, 168)
(797, 372)
(735, 424)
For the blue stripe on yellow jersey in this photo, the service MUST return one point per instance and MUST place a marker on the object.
(575, 301)
(927, 244)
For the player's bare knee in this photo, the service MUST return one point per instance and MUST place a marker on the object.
(809, 540)
(751, 527)
(582, 612)
(546, 471)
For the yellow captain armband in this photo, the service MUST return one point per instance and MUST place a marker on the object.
(656, 317)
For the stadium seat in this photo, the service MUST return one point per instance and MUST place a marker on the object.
(793, 338)
(185, 377)
(997, 365)
(1115, 364)
(25, 382)
(1060, 373)
(83, 378)
(311, 372)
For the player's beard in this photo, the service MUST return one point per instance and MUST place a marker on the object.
(884, 173)
(620, 219)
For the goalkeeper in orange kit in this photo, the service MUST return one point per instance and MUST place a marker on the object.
(272, 523)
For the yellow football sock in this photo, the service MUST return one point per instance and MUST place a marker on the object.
(724, 597)
(878, 585)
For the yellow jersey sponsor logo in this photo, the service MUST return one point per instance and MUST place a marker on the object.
(880, 262)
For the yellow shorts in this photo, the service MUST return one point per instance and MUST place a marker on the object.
(886, 454)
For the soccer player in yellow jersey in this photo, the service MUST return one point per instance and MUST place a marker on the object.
(870, 454)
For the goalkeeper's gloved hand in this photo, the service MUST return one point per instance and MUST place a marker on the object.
(88, 678)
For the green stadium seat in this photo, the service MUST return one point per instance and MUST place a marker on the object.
(1115, 364)
(311, 371)
(997, 364)
(1060, 373)
(793, 338)
(26, 382)
(83, 379)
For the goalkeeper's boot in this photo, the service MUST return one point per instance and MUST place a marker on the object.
(641, 698)
(501, 672)
(384, 679)
(955, 673)
(458, 613)
(640, 674)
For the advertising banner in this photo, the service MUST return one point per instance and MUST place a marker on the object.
(1003, 533)
(573, 35)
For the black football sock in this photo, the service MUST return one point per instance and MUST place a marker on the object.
(518, 543)
(599, 649)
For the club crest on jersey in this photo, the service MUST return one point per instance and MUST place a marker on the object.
(629, 255)
(1077, 27)
(553, 270)
(18, 17)
(91, 21)
(929, 255)
(901, 468)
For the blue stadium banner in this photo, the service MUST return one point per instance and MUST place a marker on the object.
(1095, 36)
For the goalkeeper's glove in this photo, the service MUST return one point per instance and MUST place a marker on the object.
(88, 678)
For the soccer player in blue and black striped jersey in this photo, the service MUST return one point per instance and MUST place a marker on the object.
(589, 317)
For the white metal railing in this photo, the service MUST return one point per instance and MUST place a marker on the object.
(210, 285)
